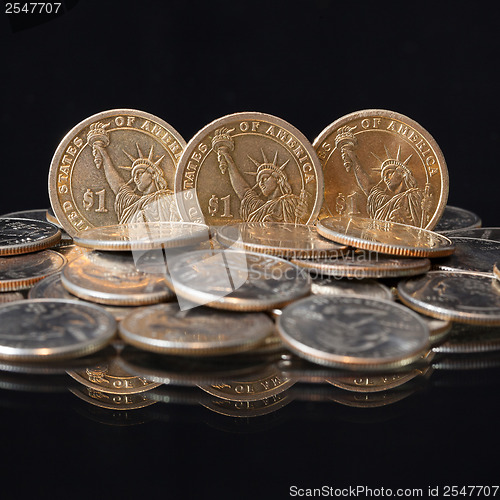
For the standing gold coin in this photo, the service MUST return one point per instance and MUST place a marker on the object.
(115, 167)
(249, 167)
(383, 165)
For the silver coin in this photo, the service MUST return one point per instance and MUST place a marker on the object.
(112, 278)
(36, 214)
(481, 233)
(197, 332)
(237, 280)
(145, 236)
(471, 254)
(438, 328)
(465, 339)
(365, 288)
(278, 238)
(19, 236)
(458, 296)
(454, 218)
(18, 272)
(353, 332)
(10, 297)
(32, 330)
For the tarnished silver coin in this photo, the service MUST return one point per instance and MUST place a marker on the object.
(454, 218)
(365, 288)
(385, 237)
(36, 214)
(112, 278)
(353, 332)
(470, 254)
(236, 280)
(52, 288)
(19, 236)
(363, 264)
(10, 297)
(280, 239)
(18, 272)
(458, 296)
(481, 233)
(468, 339)
(45, 329)
(144, 236)
(197, 332)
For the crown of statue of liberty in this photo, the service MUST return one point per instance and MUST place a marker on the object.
(144, 161)
(267, 165)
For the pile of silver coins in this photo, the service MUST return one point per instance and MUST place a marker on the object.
(245, 262)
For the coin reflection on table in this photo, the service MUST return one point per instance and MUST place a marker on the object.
(110, 401)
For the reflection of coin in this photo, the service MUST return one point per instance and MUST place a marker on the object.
(454, 218)
(482, 233)
(278, 238)
(470, 254)
(115, 167)
(383, 165)
(353, 332)
(479, 361)
(248, 409)
(470, 339)
(32, 330)
(19, 236)
(18, 272)
(112, 278)
(237, 280)
(365, 288)
(197, 332)
(385, 237)
(458, 296)
(143, 236)
(365, 264)
(112, 401)
(250, 167)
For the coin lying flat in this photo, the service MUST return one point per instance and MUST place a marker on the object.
(385, 237)
(482, 233)
(197, 332)
(19, 236)
(353, 332)
(249, 167)
(37, 214)
(458, 296)
(280, 239)
(382, 165)
(10, 297)
(112, 278)
(454, 218)
(363, 264)
(45, 329)
(468, 339)
(143, 236)
(438, 328)
(115, 167)
(366, 288)
(18, 272)
(236, 280)
(470, 254)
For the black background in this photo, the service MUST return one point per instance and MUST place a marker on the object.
(308, 63)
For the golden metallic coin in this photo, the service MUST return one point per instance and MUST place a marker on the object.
(280, 239)
(115, 167)
(382, 165)
(249, 167)
(110, 401)
(385, 237)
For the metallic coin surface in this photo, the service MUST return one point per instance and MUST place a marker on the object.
(143, 236)
(363, 264)
(454, 218)
(458, 296)
(383, 165)
(112, 401)
(112, 278)
(19, 236)
(45, 329)
(385, 237)
(10, 297)
(470, 254)
(353, 332)
(249, 167)
(365, 288)
(438, 328)
(115, 167)
(236, 280)
(496, 270)
(280, 239)
(72, 252)
(18, 272)
(197, 332)
(468, 339)
(50, 216)
(37, 214)
(476, 361)
(482, 233)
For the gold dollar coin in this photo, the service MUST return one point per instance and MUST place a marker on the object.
(249, 167)
(382, 165)
(115, 167)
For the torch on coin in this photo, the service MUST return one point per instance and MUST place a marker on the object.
(345, 141)
(222, 142)
(98, 137)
